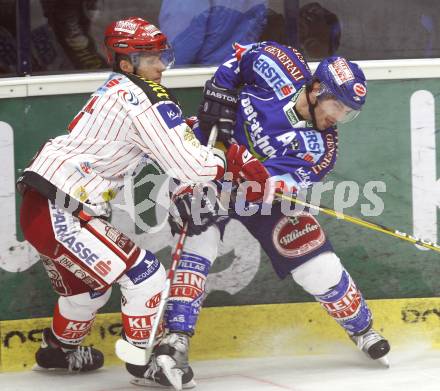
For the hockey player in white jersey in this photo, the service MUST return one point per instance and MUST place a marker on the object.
(67, 187)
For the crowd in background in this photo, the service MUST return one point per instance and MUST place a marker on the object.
(65, 36)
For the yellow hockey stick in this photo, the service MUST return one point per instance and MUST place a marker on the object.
(367, 224)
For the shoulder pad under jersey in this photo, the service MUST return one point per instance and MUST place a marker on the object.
(155, 92)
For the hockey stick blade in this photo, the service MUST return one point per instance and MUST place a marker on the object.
(130, 353)
(140, 356)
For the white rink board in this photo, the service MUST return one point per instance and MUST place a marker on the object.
(417, 369)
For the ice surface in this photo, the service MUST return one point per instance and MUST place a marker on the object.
(412, 369)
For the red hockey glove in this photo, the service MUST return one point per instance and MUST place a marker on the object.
(191, 121)
(245, 167)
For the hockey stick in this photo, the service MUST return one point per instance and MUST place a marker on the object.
(141, 356)
(367, 224)
(166, 292)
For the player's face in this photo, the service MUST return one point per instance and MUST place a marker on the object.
(151, 67)
(330, 111)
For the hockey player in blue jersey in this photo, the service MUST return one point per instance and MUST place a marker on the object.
(287, 118)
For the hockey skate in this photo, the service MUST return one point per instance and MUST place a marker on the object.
(52, 355)
(373, 345)
(168, 367)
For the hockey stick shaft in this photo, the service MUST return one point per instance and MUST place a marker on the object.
(364, 223)
(175, 263)
(133, 354)
(165, 293)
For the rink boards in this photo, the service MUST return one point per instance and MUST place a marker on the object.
(248, 331)
(394, 141)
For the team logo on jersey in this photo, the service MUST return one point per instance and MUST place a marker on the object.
(346, 307)
(254, 130)
(81, 194)
(56, 279)
(109, 195)
(273, 75)
(290, 113)
(330, 153)
(111, 83)
(85, 167)
(313, 142)
(96, 294)
(288, 64)
(74, 331)
(118, 238)
(240, 50)
(308, 157)
(154, 301)
(137, 327)
(79, 272)
(304, 177)
(295, 145)
(190, 137)
(190, 279)
(144, 270)
(171, 114)
(128, 97)
(298, 235)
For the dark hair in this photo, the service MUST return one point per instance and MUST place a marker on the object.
(117, 62)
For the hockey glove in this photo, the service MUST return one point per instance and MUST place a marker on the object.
(245, 167)
(197, 205)
(219, 107)
(192, 122)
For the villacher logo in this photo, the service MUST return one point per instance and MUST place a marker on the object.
(297, 236)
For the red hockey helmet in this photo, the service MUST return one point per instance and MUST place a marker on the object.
(136, 35)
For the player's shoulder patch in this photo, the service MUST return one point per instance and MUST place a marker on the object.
(155, 92)
(171, 114)
(114, 79)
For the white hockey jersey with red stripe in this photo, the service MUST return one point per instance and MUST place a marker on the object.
(125, 121)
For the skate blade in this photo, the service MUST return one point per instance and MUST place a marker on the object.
(150, 383)
(384, 361)
(37, 368)
(174, 375)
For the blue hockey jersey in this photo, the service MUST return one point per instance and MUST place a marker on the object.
(271, 77)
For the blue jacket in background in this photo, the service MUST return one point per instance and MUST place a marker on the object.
(203, 31)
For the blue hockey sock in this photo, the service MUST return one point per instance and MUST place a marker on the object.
(345, 303)
(187, 293)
